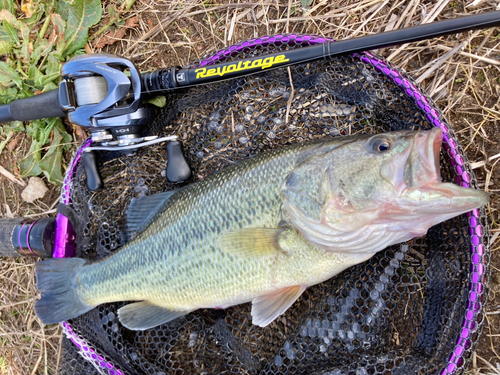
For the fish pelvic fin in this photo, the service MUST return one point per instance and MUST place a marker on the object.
(143, 315)
(252, 242)
(58, 284)
(269, 306)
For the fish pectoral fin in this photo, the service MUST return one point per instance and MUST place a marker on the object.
(142, 211)
(268, 307)
(252, 242)
(143, 315)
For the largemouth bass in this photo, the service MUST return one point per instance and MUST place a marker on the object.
(262, 230)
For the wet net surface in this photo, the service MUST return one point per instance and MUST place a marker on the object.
(401, 312)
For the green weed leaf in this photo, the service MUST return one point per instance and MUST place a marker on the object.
(59, 30)
(5, 47)
(9, 75)
(41, 48)
(306, 3)
(158, 101)
(7, 4)
(81, 15)
(29, 165)
(9, 18)
(33, 63)
(8, 137)
(35, 75)
(9, 33)
(52, 161)
(16, 126)
(53, 65)
(8, 95)
(127, 4)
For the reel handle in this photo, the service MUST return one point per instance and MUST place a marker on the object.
(35, 107)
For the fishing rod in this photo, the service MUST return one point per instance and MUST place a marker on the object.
(97, 94)
(168, 79)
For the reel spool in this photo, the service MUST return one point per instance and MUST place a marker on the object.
(90, 90)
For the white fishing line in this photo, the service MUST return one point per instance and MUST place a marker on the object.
(90, 90)
(146, 142)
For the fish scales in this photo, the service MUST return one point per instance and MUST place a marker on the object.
(245, 194)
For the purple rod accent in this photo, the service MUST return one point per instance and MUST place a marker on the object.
(28, 237)
(64, 233)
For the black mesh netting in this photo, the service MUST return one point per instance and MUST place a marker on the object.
(399, 313)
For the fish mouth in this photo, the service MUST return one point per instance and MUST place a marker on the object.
(446, 199)
(422, 165)
(423, 200)
(424, 192)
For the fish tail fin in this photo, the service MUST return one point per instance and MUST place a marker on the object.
(57, 282)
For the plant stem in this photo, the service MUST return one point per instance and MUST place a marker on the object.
(127, 4)
(46, 23)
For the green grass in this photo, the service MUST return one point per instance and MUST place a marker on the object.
(3, 365)
(36, 40)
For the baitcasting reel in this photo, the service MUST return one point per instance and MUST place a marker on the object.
(99, 95)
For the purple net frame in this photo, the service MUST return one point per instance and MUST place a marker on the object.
(102, 363)
(471, 322)
(63, 230)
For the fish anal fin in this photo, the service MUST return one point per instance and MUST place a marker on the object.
(252, 242)
(139, 316)
(269, 306)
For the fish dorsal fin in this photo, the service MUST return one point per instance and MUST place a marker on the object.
(142, 211)
(252, 242)
(269, 306)
(143, 315)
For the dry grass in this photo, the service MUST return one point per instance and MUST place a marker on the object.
(461, 73)
(26, 345)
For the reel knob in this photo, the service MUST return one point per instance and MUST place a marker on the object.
(178, 169)
(94, 179)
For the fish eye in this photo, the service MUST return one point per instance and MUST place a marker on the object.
(379, 144)
(383, 146)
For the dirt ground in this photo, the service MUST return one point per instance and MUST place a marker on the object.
(460, 72)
